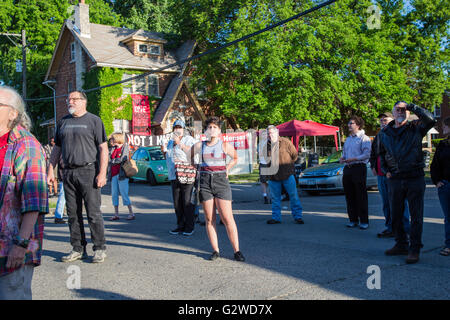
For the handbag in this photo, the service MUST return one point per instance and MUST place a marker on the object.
(185, 173)
(130, 168)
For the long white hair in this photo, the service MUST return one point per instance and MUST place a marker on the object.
(18, 104)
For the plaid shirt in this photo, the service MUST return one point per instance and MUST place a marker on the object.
(23, 189)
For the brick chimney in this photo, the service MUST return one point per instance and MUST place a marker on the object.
(82, 19)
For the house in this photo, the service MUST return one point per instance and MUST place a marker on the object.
(441, 112)
(89, 55)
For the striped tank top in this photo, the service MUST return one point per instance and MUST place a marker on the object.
(213, 158)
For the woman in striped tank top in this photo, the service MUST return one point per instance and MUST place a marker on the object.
(215, 191)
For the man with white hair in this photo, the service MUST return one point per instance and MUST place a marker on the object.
(23, 198)
(402, 161)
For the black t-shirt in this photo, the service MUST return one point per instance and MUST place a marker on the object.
(79, 138)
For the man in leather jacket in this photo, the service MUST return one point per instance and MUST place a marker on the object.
(402, 161)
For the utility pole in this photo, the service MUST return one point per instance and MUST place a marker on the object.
(24, 65)
(24, 58)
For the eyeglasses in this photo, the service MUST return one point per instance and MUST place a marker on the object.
(403, 110)
(73, 99)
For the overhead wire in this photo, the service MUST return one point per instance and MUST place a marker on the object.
(198, 56)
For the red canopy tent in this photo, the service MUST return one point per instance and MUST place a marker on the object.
(296, 128)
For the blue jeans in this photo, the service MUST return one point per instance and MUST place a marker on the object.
(61, 203)
(275, 192)
(444, 198)
(384, 192)
(122, 187)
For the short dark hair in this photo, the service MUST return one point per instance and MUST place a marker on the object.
(446, 122)
(214, 120)
(359, 121)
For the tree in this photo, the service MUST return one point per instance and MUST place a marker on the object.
(325, 67)
(42, 21)
(151, 15)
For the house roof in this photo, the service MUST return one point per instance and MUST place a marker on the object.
(106, 48)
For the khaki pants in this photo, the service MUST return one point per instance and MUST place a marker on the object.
(17, 285)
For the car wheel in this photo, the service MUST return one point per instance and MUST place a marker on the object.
(151, 178)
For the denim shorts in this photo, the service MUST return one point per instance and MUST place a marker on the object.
(214, 185)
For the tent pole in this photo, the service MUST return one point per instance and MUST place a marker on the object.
(315, 148)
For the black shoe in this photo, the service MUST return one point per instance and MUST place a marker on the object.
(413, 257)
(214, 256)
(176, 231)
(385, 234)
(397, 251)
(299, 221)
(59, 221)
(273, 221)
(238, 256)
(266, 200)
(188, 233)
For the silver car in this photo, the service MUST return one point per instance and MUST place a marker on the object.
(328, 176)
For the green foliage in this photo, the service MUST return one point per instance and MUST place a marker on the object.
(42, 21)
(108, 103)
(325, 67)
(151, 15)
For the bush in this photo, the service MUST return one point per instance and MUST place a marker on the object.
(435, 142)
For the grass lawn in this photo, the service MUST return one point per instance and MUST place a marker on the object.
(245, 178)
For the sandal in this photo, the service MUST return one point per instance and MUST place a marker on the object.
(131, 217)
(445, 252)
(114, 218)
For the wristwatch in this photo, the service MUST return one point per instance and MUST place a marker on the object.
(18, 241)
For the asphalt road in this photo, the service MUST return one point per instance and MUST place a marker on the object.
(321, 259)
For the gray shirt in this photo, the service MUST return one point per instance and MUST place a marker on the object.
(357, 146)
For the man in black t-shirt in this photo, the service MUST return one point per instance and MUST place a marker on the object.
(81, 140)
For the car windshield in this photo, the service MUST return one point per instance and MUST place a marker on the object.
(334, 157)
(156, 155)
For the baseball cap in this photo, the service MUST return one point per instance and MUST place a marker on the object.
(179, 123)
(385, 115)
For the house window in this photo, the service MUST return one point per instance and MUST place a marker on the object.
(155, 50)
(437, 111)
(153, 85)
(72, 52)
(190, 122)
(148, 86)
(121, 125)
(143, 48)
(127, 87)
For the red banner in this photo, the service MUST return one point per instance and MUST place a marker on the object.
(141, 115)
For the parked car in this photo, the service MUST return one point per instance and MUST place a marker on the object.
(328, 176)
(151, 163)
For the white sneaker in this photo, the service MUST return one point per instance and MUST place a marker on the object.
(363, 226)
(99, 256)
(74, 256)
(352, 225)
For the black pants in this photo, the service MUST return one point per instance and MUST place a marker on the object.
(354, 181)
(413, 190)
(79, 186)
(184, 209)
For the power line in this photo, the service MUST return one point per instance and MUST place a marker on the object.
(319, 6)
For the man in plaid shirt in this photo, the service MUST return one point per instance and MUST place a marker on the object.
(23, 198)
